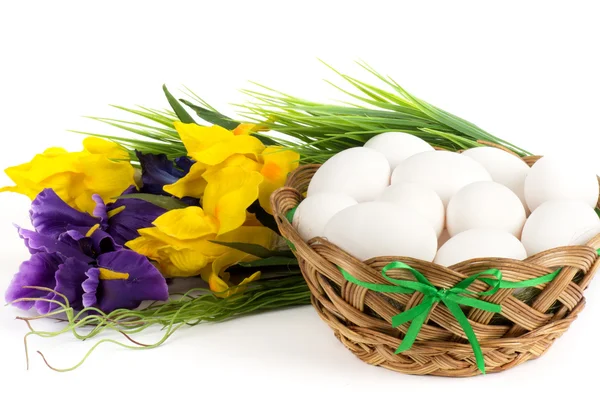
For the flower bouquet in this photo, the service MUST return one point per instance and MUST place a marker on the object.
(187, 193)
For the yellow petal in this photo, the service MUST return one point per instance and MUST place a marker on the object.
(54, 151)
(244, 129)
(181, 263)
(187, 223)
(277, 164)
(242, 161)
(223, 289)
(76, 176)
(216, 274)
(192, 184)
(257, 235)
(146, 244)
(106, 177)
(219, 151)
(109, 149)
(174, 259)
(196, 138)
(228, 194)
(264, 197)
(42, 166)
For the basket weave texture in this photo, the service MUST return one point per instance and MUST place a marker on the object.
(361, 318)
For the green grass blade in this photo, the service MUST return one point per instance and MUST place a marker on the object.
(181, 113)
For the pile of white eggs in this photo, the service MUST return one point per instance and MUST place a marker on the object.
(397, 196)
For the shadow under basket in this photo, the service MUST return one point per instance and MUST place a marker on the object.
(361, 319)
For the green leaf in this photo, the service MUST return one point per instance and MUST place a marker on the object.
(597, 211)
(212, 116)
(266, 140)
(263, 217)
(177, 107)
(166, 202)
(271, 261)
(254, 249)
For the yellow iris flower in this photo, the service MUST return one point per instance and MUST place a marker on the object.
(181, 243)
(215, 148)
(277, 163)
(102, 168)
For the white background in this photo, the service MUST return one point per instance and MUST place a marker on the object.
(524, 70)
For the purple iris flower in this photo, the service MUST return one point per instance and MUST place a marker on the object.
(88, 269)
(122, 279)
(81, 257)
(122, 218)
(51, 216)
(158, 171)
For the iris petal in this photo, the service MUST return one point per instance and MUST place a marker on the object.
(196, 138)
(229, 192)
(187, 223)
(158, 171)
(51, 216)
(277, 164)
(220, 151)
(191, 185)
(144, 283)
(69, 277)
(39, 271)
(36, 243)
(135, 214)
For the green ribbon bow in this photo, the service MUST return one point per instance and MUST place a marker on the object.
(453, 298)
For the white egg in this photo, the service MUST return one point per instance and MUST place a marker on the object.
(485, 204)
(444, 172)
(480, 243)
(559, 223)
(552, 178)
(314, 212)
(505, 168)
(397, 146)
(374, 229)
(361, 173)
(419, 198)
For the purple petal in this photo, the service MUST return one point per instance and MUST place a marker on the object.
(137, 214)
(100, 211)
(92, 246)
(37, 242)
(184, 163)
(144, 282)
(39, 271)
(158, 171)
(51, 216)
(69, 279)
(90, 287)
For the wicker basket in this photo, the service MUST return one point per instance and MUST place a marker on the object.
(361, 318)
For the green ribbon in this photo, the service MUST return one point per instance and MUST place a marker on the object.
(290, 217)
(453, 298)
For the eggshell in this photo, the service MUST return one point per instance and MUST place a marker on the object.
(361, 173)
(397, 146)
(479, 243)
(314, 212)
(444, 172)
(559, 223)
(419, 198)
(553, 178)
(485, 204)
(374, 229)
(505, 168)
